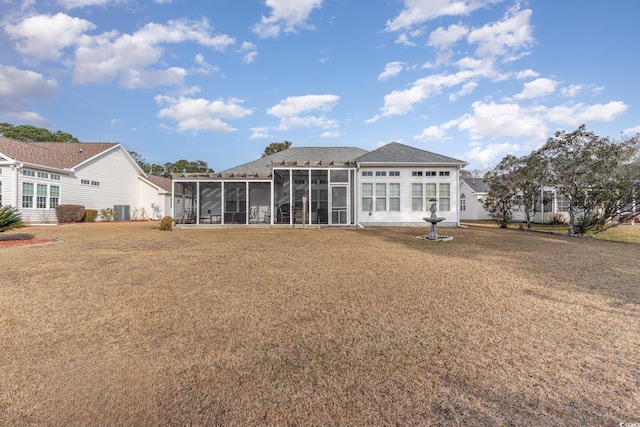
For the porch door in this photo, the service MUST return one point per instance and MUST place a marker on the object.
(339, 205)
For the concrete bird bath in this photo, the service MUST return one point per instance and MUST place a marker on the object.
(434, 220)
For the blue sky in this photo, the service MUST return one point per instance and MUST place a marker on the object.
(220, 80)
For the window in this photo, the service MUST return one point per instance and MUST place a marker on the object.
(54, 196)
(55, 177)
(367, 197)
(463, 202)
(381, 173)
(416, 173)
(85, 182)
(562, 204)
(430, 192)
(394, 173)
(41, 196)
(416, 197)
(394, 197)
(445, 173)
(367, 173)
(339, 175)
(445, 198)
(43, 175)
(431, 173)
(381, 197)
(95, 183)
(27, 172)
(27, 195)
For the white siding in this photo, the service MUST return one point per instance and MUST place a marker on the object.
(474, 210)
(155, 204)
(406, 215)
(117, 178)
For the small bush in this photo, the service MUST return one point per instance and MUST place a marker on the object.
(10, 218)
(108, 214)
(69, 213)
(90, 215)
(166, 224)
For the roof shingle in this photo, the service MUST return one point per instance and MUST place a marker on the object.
(395, 152)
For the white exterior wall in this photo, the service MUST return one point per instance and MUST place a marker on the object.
(407, 216)
(474, 210)
(118, 178)
(32, 215)
(155, 202)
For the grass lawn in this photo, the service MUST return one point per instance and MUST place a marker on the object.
(121, 324)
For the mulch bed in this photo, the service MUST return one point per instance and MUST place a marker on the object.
(22, 239)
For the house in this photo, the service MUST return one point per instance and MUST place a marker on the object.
(393, 185)
(473, 191)
(37, 176)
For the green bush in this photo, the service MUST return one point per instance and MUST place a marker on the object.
(69, 213)
(166, 224)
(108, 214)
(90, 215)
(10, 218)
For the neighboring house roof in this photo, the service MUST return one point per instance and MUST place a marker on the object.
(59, 155)
(299, 155)
(395, 152)
(477, 185)
(160, 181)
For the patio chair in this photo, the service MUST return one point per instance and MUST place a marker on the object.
(284, 214)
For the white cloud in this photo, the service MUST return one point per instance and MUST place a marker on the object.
(416, 12)
(444, 39)
(205, 68)
(432, 133)
(110, 56)
(505, 37)
(286, 15)
(489, 155)
(467, 89)
(504, 120)
(70, 4)
(200, 114)
(44, 37)
(575, 115)
(249, 51)
(526, 74)
(632, 131)
(571, 90)
(392, 69)
(260, 133)
(537, 88)
(331, 134)
(18, 87)
(291, 111)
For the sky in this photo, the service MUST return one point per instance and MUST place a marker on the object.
(220, 80)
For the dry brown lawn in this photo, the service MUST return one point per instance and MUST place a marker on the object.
(122, 324)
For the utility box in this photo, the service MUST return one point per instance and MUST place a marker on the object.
(122, 212)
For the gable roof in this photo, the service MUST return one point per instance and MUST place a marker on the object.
(59, 155)
(395, 152)
(299, 156)
(478, 185)
(160, 181)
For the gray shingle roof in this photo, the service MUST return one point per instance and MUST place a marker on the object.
(395, 152)
(477, 185)
(299, 155)
(60, 155)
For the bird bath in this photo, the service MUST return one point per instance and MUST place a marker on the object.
(434, 220)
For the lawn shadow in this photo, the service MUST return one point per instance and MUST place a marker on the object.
(16, 236)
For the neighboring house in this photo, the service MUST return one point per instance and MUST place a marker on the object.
(393, 185)
(473, 192)
(37, 176)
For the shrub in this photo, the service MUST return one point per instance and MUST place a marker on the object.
(10, 218)
(166, 224)
(90, 215)
(69, 213)
(108, 214)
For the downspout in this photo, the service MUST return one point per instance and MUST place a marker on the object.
(14, 169)
(357, 197)
(458, 194)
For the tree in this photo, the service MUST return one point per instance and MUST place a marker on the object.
(29, 133)
(502, 201)
(181, 166)
(590, 173)
(276, 147)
